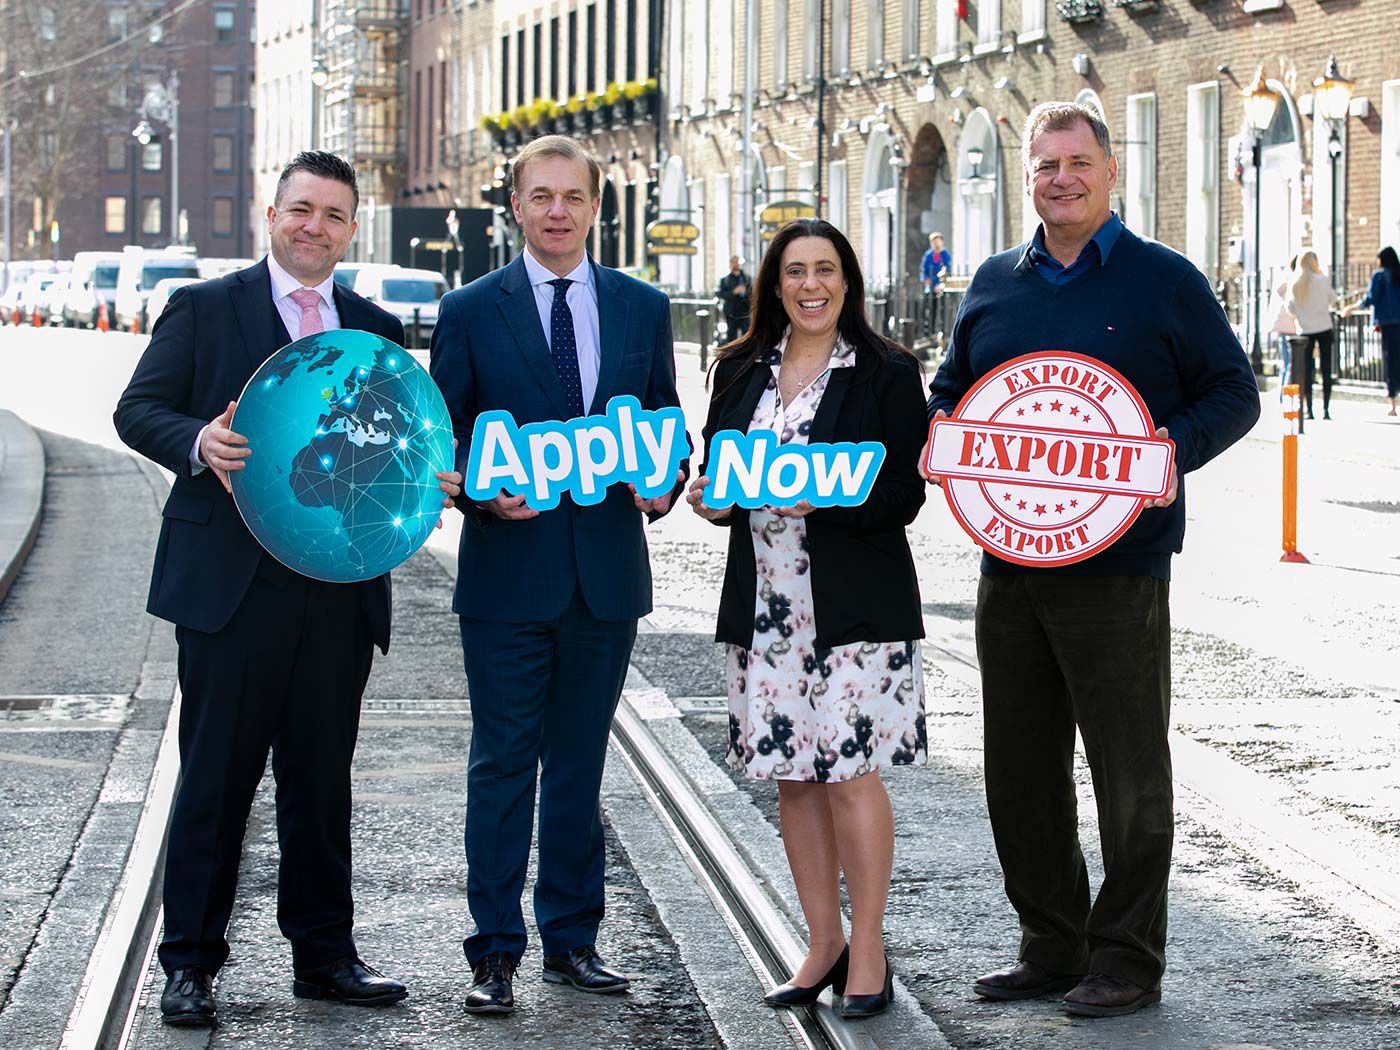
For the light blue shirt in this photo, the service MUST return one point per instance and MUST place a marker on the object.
(583, 304)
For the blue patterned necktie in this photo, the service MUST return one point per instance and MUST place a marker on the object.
(563, 346)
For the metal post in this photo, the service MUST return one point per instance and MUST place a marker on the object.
(175, 153)
(1256, 353)
(750, 242)
(1334, 150)
(1293, 422)
(9, 197)
(821, 98)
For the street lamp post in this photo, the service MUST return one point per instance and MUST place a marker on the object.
(1332, 96)
(1260, 101)
(162, 103)
(413, 243)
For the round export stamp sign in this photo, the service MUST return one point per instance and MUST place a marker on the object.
(1047, 460)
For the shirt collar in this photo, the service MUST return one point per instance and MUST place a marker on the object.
(541, 274)
(284, 284)
(1102, 241)
(843, 355)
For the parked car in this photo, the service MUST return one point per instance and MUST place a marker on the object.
(51, 300)
(160, 296)
(210, 268)
(410, 295)
(10, 300)
(93, 281)
(141, 271)
(34, 296)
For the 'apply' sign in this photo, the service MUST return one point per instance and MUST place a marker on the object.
(542, 461)
(754, 470)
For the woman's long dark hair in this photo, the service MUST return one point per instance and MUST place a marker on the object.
(769, 319)
(1390, 263)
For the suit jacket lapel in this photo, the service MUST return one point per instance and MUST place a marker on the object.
(741, 411)
(612, 333)
(255, 313)
(350, 309)
(824, 422)
(517, 305)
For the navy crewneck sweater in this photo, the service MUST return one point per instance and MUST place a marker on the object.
(1147, 312)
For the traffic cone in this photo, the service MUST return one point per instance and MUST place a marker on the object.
(16, 318)
(103, 324)
(136, 326)
(36, 320)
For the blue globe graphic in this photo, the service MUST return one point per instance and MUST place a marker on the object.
(347, 431)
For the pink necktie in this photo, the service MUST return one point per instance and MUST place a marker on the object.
(310, 302)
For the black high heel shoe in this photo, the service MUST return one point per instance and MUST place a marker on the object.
(795, 995)
(855, 1007)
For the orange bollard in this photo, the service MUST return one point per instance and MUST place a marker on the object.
(103, 324)
(1292, 416)
(36, 320)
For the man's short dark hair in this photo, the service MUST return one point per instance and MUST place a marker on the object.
(322, 164)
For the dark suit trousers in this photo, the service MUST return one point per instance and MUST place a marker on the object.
(542, 697)
(286, 674)
(1094, 652)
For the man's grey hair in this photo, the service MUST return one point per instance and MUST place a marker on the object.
(1061, 116)
(557, 146)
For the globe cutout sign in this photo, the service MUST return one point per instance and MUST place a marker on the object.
(347, 431)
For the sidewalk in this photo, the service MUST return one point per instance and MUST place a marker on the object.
(22, 472)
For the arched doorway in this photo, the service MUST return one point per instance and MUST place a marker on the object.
(1280, 190)
(673, 271)
(609, 226)
(880, 202)
(930, 197)
(1090, 98)
(977, 231)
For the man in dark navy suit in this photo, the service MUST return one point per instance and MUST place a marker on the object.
(269, 659)
(549, 602)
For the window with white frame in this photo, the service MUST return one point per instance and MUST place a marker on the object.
(947, 27)
(1390, 163)
(724, 67)
(810, 11)
(1032, 18)
(875, 34)
(807, 181)
(909, 43)
(836, 195)
(1203, 176)
(699, 54)
(777, 183)
(1140, 201)
(989, 23)
(841, 36)
(780, 43)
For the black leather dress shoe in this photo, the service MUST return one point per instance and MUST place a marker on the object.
(491, 991)
(350, 981)
(1103, 995)
(796, 995)
(1025, 980)
(188, 999)
(854, 1007)
(583, 969)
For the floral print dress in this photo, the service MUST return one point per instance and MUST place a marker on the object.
(796, 711)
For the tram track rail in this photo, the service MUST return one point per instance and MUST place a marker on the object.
(755, 920)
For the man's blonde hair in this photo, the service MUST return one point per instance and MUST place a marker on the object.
(556, 146)
(1061, 116)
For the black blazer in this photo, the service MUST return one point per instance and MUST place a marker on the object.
(864, 588)
(205, 347)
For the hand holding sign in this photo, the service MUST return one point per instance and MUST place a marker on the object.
(1170, 497)
(695, 496)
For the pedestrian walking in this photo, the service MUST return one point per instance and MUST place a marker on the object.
(1312, 301)
(1284, 326)
(548, 600)
(733, 294)
(932, 269)
(1383, 297)
(820, 609)
(1087, 646)
(270, 660)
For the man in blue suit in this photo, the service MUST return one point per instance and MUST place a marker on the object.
(269, 659)
(549, 602)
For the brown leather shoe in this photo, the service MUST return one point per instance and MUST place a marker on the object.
(1103, 995)
(1024, 980)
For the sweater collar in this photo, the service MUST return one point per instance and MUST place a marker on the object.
(1101, 243)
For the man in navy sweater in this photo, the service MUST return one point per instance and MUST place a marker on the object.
(1088, 645)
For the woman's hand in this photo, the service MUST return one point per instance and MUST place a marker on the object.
(695, 496)
(800, 509)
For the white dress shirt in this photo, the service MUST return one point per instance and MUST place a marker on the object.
(582, 300)
(283, 285)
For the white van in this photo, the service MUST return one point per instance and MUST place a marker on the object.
(94, 281)
(141, 270)
(403, 293)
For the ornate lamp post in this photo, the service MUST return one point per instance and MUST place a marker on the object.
(975, 156)
(1332, 97)
(162, 104)
(1260, 102)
